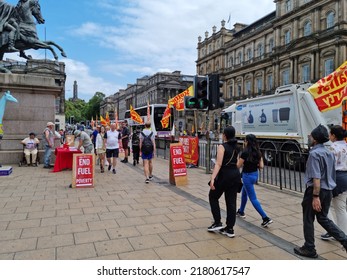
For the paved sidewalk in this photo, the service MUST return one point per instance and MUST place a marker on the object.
(124, 218)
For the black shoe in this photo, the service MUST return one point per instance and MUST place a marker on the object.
(109, 167)
(114, 171)
(150, 178)
(227, 231)
(266, 222)
(215, 226)
(241, 214)
(147, 181)
(134, 163)
(303, 251)
(326, 237)
(47, 167)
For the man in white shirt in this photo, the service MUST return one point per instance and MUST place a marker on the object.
(111, 139)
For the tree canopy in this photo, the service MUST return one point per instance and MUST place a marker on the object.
(82, 111)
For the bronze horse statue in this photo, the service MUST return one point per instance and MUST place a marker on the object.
(20, 19)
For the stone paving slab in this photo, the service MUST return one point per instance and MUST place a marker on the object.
(124, 218)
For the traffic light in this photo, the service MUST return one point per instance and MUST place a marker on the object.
(200, 99)
(215, 93)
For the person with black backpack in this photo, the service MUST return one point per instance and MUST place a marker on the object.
(147, 150)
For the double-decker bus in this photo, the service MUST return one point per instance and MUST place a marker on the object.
(156, 115)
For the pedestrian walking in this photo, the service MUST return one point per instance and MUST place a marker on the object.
(100, 147)
(147, 150)
(320, 177)
(111, 139)
(225, 179)
(135, 145)
(251, 160)
(339, 200)
(125, 141)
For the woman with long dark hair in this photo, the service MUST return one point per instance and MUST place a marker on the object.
(225, 179)
(251, 160)
(339, 201)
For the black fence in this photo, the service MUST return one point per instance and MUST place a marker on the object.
(276, 172)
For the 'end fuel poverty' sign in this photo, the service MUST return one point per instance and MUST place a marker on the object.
(83, 171)
(177, 160)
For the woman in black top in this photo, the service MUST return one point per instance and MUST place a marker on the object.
(226, 182)
(251, 159)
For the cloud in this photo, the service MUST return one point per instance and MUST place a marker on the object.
(88, 84)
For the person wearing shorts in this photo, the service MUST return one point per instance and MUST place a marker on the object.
(147, 159)
(111, 139)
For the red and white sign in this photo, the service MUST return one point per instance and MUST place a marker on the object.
(83, 171)
(177, 160)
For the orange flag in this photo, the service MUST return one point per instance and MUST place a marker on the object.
(135, 116)
(107, 119)
(330, 91)
(92, 123)
(103, 121)
(178, 100)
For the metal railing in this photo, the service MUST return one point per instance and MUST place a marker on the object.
(276, 173)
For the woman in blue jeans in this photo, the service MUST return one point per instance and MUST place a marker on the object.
(251, 160)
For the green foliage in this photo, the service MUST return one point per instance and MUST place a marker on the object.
(82, 111)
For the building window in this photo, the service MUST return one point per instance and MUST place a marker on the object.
(230, 61)
(269, 82)
(288, 5)
(239, 89)
(271, 45)
(231, 91)
(285, 77)
(306, 73)
(239, 57)
(249, 54)
(328, 66)
(248, 88)
(307, 28)
(259, 82)
(260, 50)
(287, 36)
(330, 19)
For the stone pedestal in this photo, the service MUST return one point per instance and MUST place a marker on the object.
(36, 97)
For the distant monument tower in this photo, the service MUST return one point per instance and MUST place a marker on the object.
(75, 92)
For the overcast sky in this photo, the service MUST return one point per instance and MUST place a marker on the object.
(111, 43)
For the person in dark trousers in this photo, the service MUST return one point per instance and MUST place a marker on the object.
(225, 179)
(320, 177)
(135, 145)
(125, 141)
(251, 160)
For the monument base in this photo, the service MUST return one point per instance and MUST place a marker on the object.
(5, 170)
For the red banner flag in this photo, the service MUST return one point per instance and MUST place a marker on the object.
(330, 91)
(107, 119)
(178, 100)
(135, 116)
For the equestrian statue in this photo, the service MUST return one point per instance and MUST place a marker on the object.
(18, 29)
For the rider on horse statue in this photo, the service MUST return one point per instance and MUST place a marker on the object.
(7, 23)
